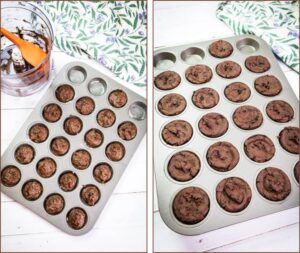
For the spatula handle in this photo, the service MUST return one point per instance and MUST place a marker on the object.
(13, 38)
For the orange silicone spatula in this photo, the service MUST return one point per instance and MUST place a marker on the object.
(30, 52)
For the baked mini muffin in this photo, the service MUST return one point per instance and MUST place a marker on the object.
(198, 74)
(289, 139)
(76, 218)
(59, 146)
(228, 69)
(184, 166)
(273, 184)
(259, 148)
(46, 167)
(297, 171)
(268, 85)
(205, 98)
(103, 172)
(220, 49)
(213, 125)
(24, 154)
(52, 112)
(280, 111)
(237, 92)
(73, 125)
(257, 64)
(177, 132)
(81, 159)
(117, 98)
(171, 104)
(167, 80)
(68, 181)
(85, 105)
(38, 133)
(93, 138)
(115, 151)
(222, 156)
(247, 117)
(32, 190)
(233, 194)
(65, 93)
(106, 118)
(191, 205)
(10, 176)
(127, 130)
(90, 195)
(54, 204)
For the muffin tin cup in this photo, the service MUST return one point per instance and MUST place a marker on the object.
(243, 47)
(85, 177)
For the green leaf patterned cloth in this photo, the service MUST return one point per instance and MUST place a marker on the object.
(111, 32)
(276, 22)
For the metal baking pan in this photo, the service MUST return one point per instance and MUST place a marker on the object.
(81, 77)
(178, 59)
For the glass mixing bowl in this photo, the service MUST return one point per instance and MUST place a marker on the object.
(31, 23)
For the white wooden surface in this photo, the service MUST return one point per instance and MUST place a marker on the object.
(184, 22)
(122, 224)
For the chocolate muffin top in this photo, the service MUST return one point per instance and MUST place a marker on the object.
(38, 133)
(289, 139)
(24, 154)
(220, 49)
(273, 184)
(106, 118)
(127, 130)
(237, 92)
(177, 132)
(198, 74)
(52, 112)
(280, 111)
(167, 80)
(76, 218)
(64, 93)
(213, 125)
(228, 69)
(247, 117)
(171, 104)
(103, 172)
(117, 98)
(268, 85)
(257, 64)
(297, 171)
(10, 176)
(85, 105)
(205, 98)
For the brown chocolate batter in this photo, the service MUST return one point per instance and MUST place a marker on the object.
(54, 204)
(32, 190)
(65, 93)
(85, 105)
(117, 98)
(103, 173)
(24, 154)
(38, 133)
(127, 130)
(94, 138)
(77, 218)
(106, 118)
(115, 151)
(46, 167)
(73, 125)
(81, 159)
(59, 146)
(10, 176)
(90, 195)
(68, 181)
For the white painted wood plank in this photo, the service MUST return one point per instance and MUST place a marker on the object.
(167, 240)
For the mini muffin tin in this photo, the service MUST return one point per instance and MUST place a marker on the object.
(178, 59)
(86, 82)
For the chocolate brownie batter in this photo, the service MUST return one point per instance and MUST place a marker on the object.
(65, 93)
(233, 194)
(127, 130)
(167, 80)
(46, 167)
(103, 172)
(54, 204)
(268, 85)
(24, 154)
(32, 190)
(184, 166)
(76, 218)
(213, 125)
(257, 64)
(38, 133)
(247, 117)
(259, 148)
(59, 146)
(220, 49)
(289, 139)
(198, 74)
(191, 205)
(115, 151)
(52, 112)
(273, 184)
(106, 118)
(93, 138)
(68, 181)
(280, 111)
(85, 105)
(73, 125)
(222, 156)
(177, 132)
(90, 195)
(117, 98)
(10, 176)
(205, 98)
(228, 69)
(297, 171)
(237, 92)
(81, 159)
(171, 104)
